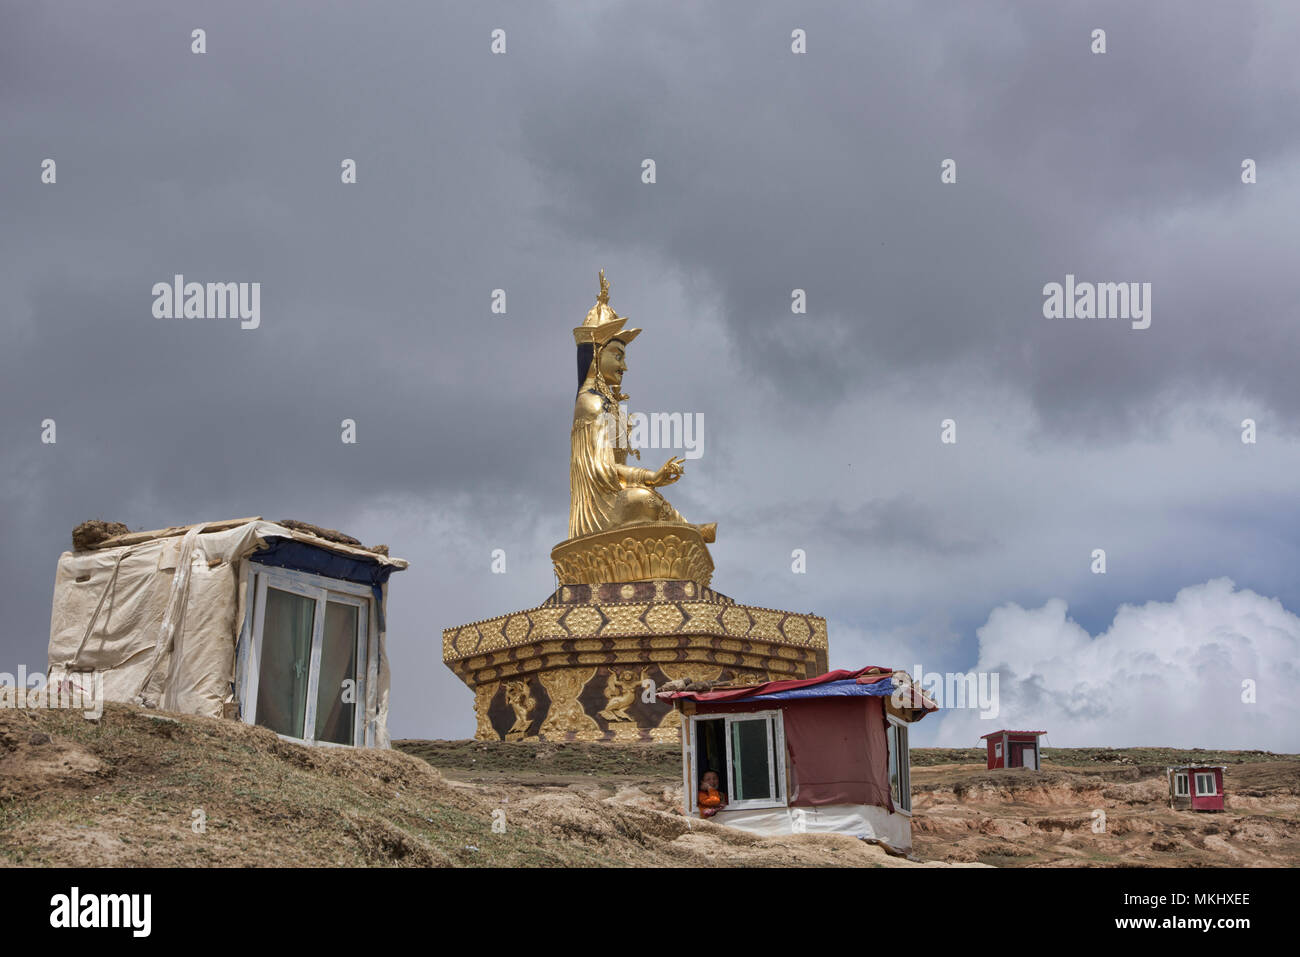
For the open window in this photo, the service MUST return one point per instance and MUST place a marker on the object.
(900, 766)
(747, 751)
(308, 664)
(1180, 784)
(1205, 784)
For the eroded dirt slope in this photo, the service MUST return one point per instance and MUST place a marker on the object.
(140, 788)
(1099, 815)
(144, 788)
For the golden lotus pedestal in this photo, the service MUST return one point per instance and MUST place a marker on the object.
(662, 550)
(584, 665)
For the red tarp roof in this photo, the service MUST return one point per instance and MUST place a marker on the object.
(867, 675)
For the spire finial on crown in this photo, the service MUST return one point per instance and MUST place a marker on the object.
(602, 322)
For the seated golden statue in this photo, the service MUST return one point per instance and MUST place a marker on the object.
(605, 492)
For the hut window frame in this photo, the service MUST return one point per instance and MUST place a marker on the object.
(897, 742)
(323, 591)
(1211, 789)
(1181, 785)
(776, 760)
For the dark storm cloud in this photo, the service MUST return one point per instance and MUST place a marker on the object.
(821, 172)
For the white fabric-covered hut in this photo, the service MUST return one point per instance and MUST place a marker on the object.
(274, 625)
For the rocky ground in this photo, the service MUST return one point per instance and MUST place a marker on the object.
(1086, 807)
(1090, 807)
(140, 788)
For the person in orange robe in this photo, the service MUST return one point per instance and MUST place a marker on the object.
(710, 799)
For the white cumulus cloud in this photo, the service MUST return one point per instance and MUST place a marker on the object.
(1164, 674)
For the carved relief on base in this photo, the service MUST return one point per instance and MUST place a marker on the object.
(621, 689)
(595, 702)
(521, 703)
(483, 696)
(566, 713)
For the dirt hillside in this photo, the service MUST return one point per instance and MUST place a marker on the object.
(1099, 807)
(140, 788)
(964, 813)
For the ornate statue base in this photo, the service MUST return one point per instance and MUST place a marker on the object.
(578, 666)
(633, 553)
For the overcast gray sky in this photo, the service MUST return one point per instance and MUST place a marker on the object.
(775, 171)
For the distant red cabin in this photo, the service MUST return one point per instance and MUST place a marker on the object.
(1013, 749)
(1196, 787)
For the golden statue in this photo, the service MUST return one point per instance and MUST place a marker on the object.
(632, 599)
(604, 491)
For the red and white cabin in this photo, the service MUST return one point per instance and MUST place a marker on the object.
(1013, 749)
(825, 754)
(1196, 787)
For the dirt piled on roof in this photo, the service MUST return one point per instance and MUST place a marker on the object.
(90, 533)
(330, 535)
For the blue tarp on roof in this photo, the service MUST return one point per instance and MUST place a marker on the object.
(303, 557)
(831, 689)
(290, 553)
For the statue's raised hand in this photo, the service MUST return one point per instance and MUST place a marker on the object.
(669, 473)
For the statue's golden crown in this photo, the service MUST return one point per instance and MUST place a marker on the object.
(603, 323)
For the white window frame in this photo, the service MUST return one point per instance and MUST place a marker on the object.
(1214, 785)
(1181, 788)
(321, 589)
(904, 764)
(776, 763)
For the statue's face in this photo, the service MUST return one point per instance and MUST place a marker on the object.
(612, 364)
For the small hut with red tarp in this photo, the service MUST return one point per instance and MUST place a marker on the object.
(823, 754)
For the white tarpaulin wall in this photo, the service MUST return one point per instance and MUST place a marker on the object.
(864, 820)
(161, 619)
